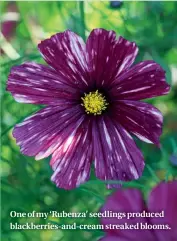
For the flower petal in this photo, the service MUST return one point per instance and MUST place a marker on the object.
(39, 135)
(108, 57)
(39, 84)
(65, 52)
(141, 119)
(115, 154)
(144, 80)
(164, 198)
(71, 163)
(126, 202)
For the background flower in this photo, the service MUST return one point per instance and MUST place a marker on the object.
(162, 198)
(10, 20)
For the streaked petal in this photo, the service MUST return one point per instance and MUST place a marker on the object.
(164, 198)
(144, 80)
(107, 57)
(116, 155)
(141, 119)
(71, 163)
(40, 134)
(126, 201)
(65, 52)
(39, 84)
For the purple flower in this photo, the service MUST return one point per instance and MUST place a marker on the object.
(9, 26)
(163, 198)
(92, 97)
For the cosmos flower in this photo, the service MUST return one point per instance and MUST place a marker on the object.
(10, 20)
(162, 199)
(92, 96)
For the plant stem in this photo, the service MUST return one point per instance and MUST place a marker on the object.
(82, 17)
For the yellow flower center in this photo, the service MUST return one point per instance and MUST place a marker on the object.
(94, 103)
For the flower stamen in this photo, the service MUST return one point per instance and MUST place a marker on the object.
(94, 103)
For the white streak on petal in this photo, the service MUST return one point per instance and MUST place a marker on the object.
(68, 142)
(134, 171)
(121, 141)
(142, 137)
(158, 115)
(22, 99)
(81, 178)
(136, 90)
(107, 136)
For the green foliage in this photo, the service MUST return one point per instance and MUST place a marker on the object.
(26, 184)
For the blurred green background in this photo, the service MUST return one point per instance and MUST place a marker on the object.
(25, 183)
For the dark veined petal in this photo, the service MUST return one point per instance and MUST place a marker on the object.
(144, 80)
(107, 56)
(141, 119)
(39, 84)
(164, 198)
(115, 153)
(126, 201)
(65, 52)
(40, 134)
(71, 162)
